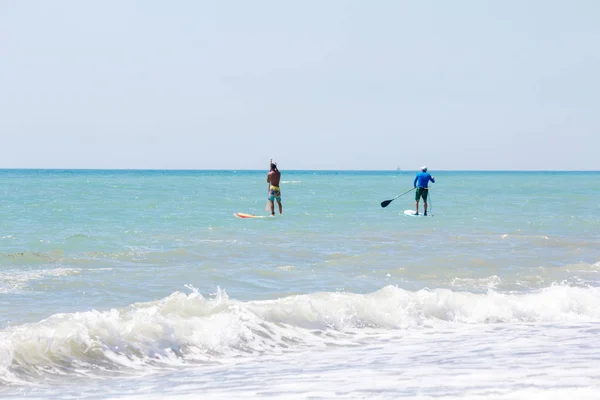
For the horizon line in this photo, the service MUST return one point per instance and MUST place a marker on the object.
(301, 170)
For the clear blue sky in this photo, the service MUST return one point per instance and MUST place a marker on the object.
(335, 84)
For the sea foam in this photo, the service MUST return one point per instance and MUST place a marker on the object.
(190, 328)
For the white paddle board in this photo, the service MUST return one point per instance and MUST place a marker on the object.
(413, 213)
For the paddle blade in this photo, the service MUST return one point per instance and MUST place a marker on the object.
(268, 206)
(386, 203)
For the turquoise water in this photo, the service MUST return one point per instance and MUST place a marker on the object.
(163, 251)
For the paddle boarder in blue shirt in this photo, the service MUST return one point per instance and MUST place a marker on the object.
(421, 183)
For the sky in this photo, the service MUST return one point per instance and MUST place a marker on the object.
(335, 84)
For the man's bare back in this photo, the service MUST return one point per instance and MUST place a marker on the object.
(273, 178)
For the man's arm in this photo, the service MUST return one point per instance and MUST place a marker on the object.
(269, 173)
(415, 181)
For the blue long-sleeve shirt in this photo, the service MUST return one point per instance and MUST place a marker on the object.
(422, 179)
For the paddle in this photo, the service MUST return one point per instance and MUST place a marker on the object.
(387, 202)
(268, 205)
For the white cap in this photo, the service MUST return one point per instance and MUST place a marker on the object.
(423, 168)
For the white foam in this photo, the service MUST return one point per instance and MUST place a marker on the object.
(469, 362)
(14, 281)
(491, 282)
(286, 268)
(191, 328)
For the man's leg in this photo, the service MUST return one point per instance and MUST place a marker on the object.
(417, 198)
(272, 207)
(280, 207)
(425, 204)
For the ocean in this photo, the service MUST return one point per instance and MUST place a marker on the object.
(143, 285)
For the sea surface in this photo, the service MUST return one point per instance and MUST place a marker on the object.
(143, 284)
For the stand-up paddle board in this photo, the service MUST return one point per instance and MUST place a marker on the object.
(413, 213)
(245, 215)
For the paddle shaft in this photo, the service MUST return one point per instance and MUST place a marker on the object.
(387, 202)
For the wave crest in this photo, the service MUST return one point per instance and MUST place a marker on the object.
(184, 328)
